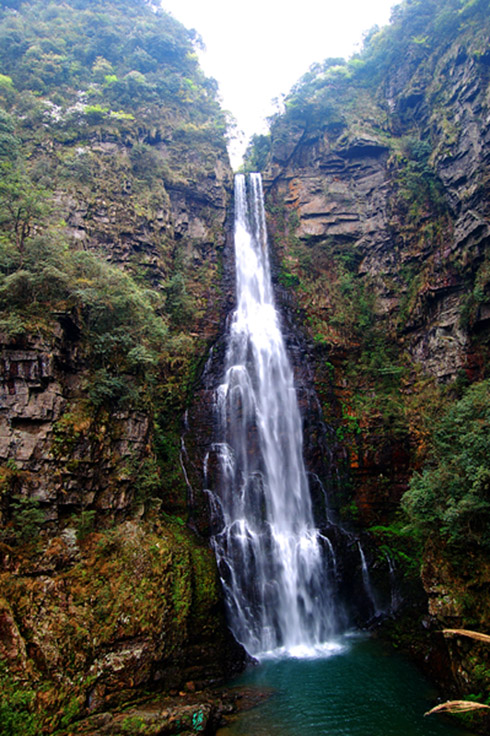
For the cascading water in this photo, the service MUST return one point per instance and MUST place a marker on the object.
(276, 568)
(367, 582)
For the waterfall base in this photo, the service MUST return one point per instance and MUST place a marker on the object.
(364, 689)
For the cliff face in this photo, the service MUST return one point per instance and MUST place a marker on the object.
(376, 174)
(353, 190)
(115, 187)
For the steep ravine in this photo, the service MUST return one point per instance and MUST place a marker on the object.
(116, 280)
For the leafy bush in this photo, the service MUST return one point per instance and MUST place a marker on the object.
(399, 545)
(257, 153)
(145, 162)
(108, 389)
(27, 518)
(85, 523)
(120, 320)
(420, 190)
(179, 302)
(452, 495)
(16, 707)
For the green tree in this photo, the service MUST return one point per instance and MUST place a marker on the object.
(22, 202)
(257, 153)
(451, 496)
(22, 205)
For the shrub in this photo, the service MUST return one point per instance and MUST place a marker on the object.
(85, 524)
(452, 494)
(27, 518)
(16, 707)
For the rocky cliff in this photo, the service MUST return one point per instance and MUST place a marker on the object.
(376, 175)
(115, 186)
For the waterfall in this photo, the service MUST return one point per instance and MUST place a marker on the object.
(367, 581)
(277, 570)
(396, 599)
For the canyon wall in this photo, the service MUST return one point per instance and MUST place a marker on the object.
(115, 189)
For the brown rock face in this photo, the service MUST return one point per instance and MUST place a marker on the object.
(136, 606)
(386, 245)
(104, 590)
(377, 206)
(65, 458)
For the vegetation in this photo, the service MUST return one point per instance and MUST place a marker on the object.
(327, 96)
(17, 715)
(257, 153)
(119, 319)
(399, 544)
(109, 133)
(452, 495)
(76, 47)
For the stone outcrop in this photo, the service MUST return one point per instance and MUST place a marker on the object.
(65, 458)
(102, 615)
(345, 191)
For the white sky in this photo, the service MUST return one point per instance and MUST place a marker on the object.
(257, 49)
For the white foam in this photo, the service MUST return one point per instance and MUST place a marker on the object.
(303, 651)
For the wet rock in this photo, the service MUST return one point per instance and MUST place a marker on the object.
(51, 439)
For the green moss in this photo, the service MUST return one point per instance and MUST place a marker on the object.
(17, 706)
(133, 725)
(288, 279)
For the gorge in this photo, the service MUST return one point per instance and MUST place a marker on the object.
(123, 346)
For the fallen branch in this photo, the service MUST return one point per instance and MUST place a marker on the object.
(457, 706)
(470, 634)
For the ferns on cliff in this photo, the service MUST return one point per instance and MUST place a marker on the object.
(16, 706)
